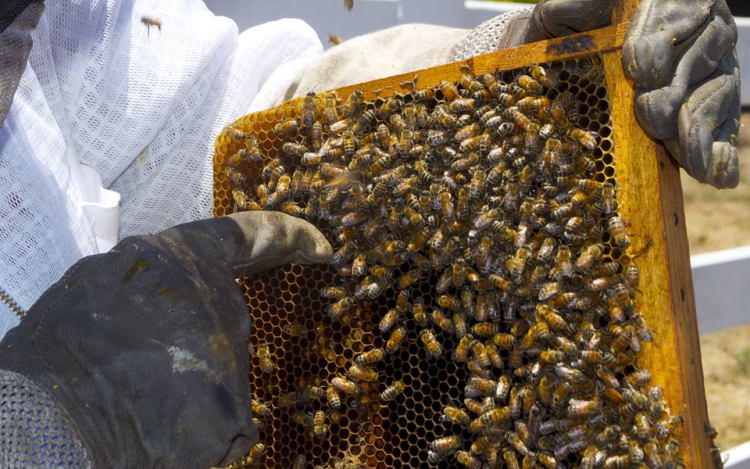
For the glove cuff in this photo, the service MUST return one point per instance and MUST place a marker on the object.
(510, 29)
(49, 439)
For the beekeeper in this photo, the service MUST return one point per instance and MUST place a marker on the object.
(138, 355)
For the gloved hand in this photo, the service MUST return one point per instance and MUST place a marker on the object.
(145, 348)
(681, 56)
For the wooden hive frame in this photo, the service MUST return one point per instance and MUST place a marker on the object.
(649, 195)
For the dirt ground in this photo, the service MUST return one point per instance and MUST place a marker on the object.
(721, 220)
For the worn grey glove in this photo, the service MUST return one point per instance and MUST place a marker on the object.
(145, 348)
(681, 56)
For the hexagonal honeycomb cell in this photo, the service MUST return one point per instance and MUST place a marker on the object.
(545, 284)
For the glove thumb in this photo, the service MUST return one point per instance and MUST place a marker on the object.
(272, 239)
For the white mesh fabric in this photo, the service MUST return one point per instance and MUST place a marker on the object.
(501, 32)
(141, 106)
(34, 432)
(167, 184)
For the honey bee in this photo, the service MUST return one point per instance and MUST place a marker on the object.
(340, 307)
(361, 373)
(666, 427)
(529, 84)
(349, 4)
(619, 235)
(467, 460)
(294, 330)
(589, 256)
(455, 415)
(344, 385)
(353, 102)
(584, 137)
(332, 396)
(511, 460)
(300, 462)
(447, 444)
(542, 76)
(148, 21)
(285, 127)
(320, 429)
(334, 40)
(396, 338)
(578, 408)
(392, 391)
(442, 321)
(264, 357)
(432, 346)
(260, 408)
(257, 451)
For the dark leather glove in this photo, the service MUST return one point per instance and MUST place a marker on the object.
(145, 348)
(681, 56)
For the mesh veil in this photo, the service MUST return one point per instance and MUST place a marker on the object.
(139, 104)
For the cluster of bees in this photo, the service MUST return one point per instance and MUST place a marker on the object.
(493, 187)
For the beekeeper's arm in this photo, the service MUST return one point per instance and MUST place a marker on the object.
(679, 53)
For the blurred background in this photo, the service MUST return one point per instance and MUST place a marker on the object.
(718, 222)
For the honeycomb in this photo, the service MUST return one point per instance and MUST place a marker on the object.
(305, 347)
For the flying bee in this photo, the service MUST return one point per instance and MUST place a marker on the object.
(432, 346)
(294, 330)
(396, 338)
(285, 127)
(349, 4)
(264, 357)
(392, 391)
